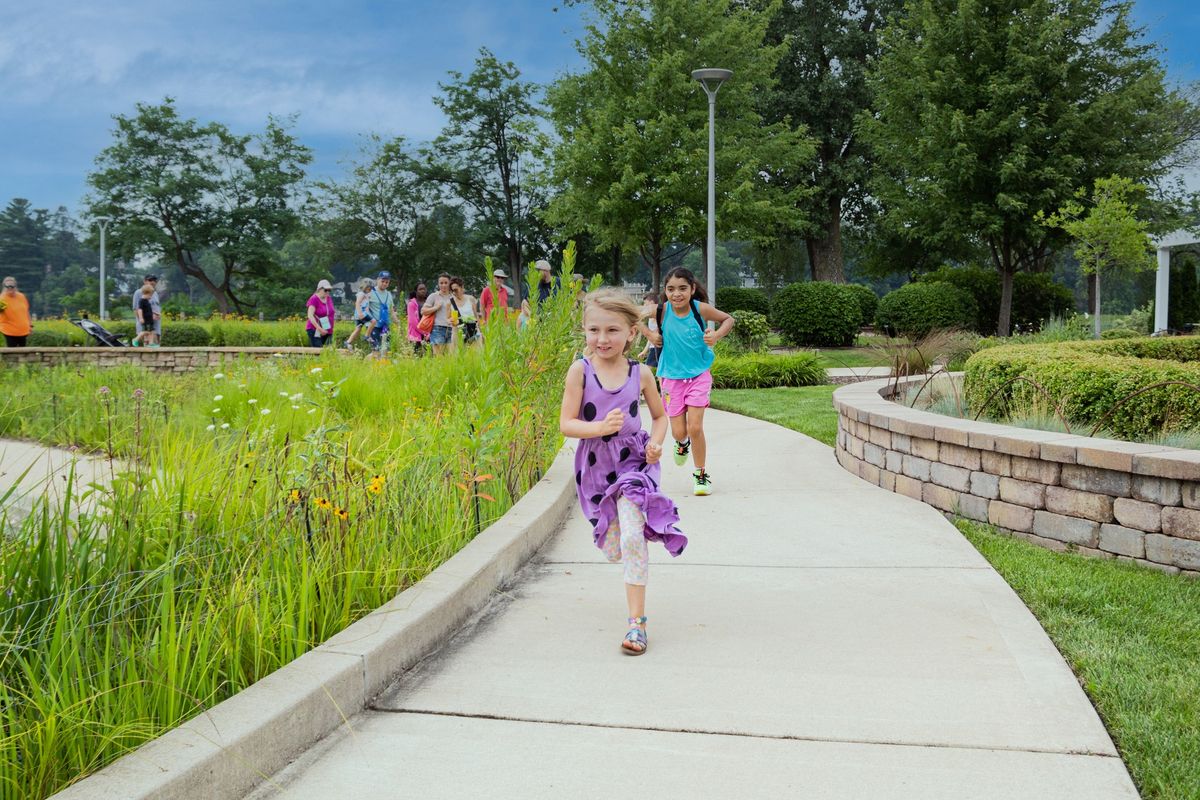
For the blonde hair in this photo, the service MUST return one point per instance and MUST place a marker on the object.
(147, 290)
(616, 302)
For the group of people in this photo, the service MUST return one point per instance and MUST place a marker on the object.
(439, 320)
(617, 463)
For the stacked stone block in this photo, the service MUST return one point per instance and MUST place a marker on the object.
(1103, 498)
(158, 359)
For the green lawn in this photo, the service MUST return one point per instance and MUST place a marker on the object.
(1131, 635)
(808, 409)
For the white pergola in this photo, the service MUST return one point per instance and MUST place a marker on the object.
(1162, 285)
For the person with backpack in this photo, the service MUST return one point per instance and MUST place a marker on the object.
(380, 307)
(684, 362)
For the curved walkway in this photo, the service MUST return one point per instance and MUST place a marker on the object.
(821, 638)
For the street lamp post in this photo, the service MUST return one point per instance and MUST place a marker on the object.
(103, 222)
(711, 80)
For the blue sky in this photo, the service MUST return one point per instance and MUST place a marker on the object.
(347, 67)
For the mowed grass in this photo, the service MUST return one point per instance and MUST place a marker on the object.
(1132, 636)
(807, 409)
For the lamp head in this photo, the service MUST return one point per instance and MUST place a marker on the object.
(711, 78)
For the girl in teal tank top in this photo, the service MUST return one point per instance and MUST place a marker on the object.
(684, 363)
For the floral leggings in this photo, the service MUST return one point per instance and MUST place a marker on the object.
(625, 542)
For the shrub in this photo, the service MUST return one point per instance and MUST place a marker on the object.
(766, 371)
(48, 338)
(868, 301)
(1119, 333)
(1089, 381)
(736, 298)
(915, 309)
(817, 314)
(750, 332)
(1036, 297)
(184, 334)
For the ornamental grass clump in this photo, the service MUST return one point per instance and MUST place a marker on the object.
(227, 542)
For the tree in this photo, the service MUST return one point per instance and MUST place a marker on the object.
(987, 113)
(374, 212)
(23, 234)
(175, 187)
(1108, 236)
(488, 154)
(631, 163)
(823, 87)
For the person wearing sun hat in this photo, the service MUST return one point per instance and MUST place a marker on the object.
(495, 294)
(547, 285)
(321, 315)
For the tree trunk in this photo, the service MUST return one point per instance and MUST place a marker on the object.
(825, 249)
(1091, 292)
(616, 266)
(514, 270)
(1004, 324)
(218, 292)
(1096, 305)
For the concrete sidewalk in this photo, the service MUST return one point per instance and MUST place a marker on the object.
(820, 638)
(30, 471)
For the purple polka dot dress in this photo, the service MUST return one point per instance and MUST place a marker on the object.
(613, 465)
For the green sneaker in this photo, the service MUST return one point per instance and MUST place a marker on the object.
(681, 451)
(703, 485)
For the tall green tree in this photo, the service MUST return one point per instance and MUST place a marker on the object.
(175, 187)
(489, 154)
(823, 88)
(23, 235)
(373, 212)
(987, 113)
(631, 163)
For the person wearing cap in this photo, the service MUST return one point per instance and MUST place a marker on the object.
(494, 294)
(547, 285)
(15, 322)
(321, 315)
(380, 307)
(155, 305)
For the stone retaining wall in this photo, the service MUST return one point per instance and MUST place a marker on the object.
(1101, 497)
(159, 359)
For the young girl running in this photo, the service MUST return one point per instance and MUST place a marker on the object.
(684, 359)
(617, 464)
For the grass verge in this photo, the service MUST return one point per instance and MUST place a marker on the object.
(807, 409)
(1132, 636)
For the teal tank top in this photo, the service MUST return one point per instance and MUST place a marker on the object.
(684, 352)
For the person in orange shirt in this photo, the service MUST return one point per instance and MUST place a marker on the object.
(14, 314)
(494, 295)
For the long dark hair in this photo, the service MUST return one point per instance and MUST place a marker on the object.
(698, 292)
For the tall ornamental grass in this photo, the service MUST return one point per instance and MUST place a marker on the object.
(247, 516)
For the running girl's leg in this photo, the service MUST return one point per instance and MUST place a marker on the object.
(635, 558)
(695, 432)
(679, 427)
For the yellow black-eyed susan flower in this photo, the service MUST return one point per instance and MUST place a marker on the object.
(342, 514)
(294, 496)
(323, 503)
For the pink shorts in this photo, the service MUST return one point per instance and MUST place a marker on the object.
(677, 393)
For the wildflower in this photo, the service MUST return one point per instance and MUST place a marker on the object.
(218, 398)
(314, 371)
(252, 401)
(216, 411)
(312, 411)
(138, 394)
(294, 496)
(211, 428)
(265, 411)
(376, 485)
(295, 408)
(297, 397)
(224, 426)
(104, 391)
(322, 503)
(342, 514)
(219, 376)
(283, 394)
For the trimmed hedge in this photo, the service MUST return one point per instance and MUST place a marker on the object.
(817, 314)
(1087, 380)
(737, 298)
(766, 371)
(1036, 297)
(868, 301)
(915, 309)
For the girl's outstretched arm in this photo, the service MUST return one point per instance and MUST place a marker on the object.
(724, 322)
(658, 416)
(569, 422)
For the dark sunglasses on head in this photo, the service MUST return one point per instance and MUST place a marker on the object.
(10, 286)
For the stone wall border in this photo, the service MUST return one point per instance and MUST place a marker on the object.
(1100, 497)
(157, 359)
